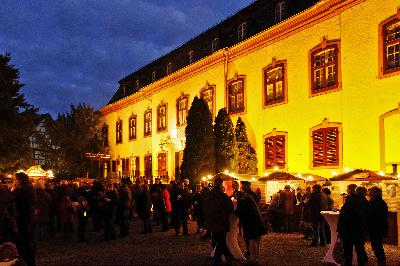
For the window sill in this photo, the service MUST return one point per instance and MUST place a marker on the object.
(389, 73)
(274, 104)
(326, 90)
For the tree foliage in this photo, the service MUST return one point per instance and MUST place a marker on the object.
(199, 153)
(72, 135)
(16, 120)
(224, 142)
(246, 158)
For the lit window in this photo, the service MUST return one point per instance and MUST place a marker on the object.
(275, 149)
(132, 127)
(182, 110)
(392, 45)
(147, 123)
(191, 56)
(162, 117)
(118, 132)
(325, 68)
(274, 84)
(325, 143)
(207, 94)
(162, 165)
(215, 45)
(148, 166)
(153, 76)
(105, 135)
(236, 95)
(169, 68)
(280, 11)
(242, 31)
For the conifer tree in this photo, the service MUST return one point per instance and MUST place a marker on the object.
(246, 158)
(199, 153)
(224, 142)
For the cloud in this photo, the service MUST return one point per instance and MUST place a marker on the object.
(76, 51)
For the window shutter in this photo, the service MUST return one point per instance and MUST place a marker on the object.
(318, 147)
(332, 146)
(280, 150)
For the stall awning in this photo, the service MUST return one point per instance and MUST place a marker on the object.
(361, 175)
(280, 176)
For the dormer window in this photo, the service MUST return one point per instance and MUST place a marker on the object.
(191, 56)
(242, 31)
(215, 45)
(280, 11)
(169, 68)
(153, 76)
(123, 90)
(137, 84)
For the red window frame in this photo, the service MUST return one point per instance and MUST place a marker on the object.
(391, 42)
(267, 82)
(181, 113)
(236, 97)
(275, 151)
(325, 142)
(132, 127)
(162, 164)
(207, 98)
(118, 132)
(147, 123)
(161, 126)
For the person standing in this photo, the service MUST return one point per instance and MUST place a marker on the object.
(82, 217)
(377, 223)
(144, 208)
(25, 200)
(123, 207)
(352, 226)
(42, 209)
(251, 220)
(318, 202)
(287, 203)
(217, 210)
(110, 201)
(181, 205)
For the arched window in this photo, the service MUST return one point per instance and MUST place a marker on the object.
(207, 94)
(325, 67)
(275, 146)
(132, 127)
(236, 94)
(242, 31)
(162, 117)
(147, 123)
(182, 106)
(169, 68)
(275, 83)
(280, 11)
(214, 45)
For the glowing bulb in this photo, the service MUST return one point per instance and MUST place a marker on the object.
(204, 178)
(226, 172)
(309, 178)
(299, 175)
(253, 179)
(9, 176)
(346, 170)
(381, 173)
(398, 176)
(266, 174)
(276, 168)
(334, 173)
(209, 176)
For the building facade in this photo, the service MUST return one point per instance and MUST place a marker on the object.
(318, 87)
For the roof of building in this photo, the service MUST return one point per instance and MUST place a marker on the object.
(258, 16)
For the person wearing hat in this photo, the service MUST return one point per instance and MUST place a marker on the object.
(217, 209)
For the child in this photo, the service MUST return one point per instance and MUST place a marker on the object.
(81, 213)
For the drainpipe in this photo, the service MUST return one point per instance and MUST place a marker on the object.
(226, 55)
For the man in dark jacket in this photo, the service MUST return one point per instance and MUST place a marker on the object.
(352, 226)
(181, 208)
(318, 202)
(123, 207)
(25, 200)
(217, 209)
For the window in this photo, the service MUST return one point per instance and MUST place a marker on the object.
(162, 165)
(325, 144)
(182, 109)
(325, 67)
(118, 132)
(162, 117)
(275, 150)
(242, 31)
(280, 11)
(147, 123)
(275, 87)
(207, 94)
(191, 56)
(214, 45)
(105, 135)
(148, 166)
(137, 84)
(136, 166)
(132, 127)
(153, 76)
(169, 68)
(236, 95)
(390, 31)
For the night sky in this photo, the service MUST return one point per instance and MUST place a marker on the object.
(74, 51)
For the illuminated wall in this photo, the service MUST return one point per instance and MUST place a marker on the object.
(362, 98)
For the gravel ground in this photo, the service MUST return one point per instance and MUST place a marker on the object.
(164, 248)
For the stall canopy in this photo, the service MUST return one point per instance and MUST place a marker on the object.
(280, 176)
(36, 171)
(313, 177)
(223, 176)
(361, 175)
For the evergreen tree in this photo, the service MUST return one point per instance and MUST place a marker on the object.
(246, 158)
(73, 134)
(16, 120)
(224, 142)
(199, 154)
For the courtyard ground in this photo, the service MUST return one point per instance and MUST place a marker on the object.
(164, 248)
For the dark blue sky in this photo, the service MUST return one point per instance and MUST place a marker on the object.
(72, 51)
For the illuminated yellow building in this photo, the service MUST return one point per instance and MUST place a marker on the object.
(319, 92)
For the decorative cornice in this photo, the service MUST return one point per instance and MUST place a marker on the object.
(321, 11)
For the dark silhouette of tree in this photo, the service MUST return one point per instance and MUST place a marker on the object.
(246, 158)
(16, 120)
(199, 154)
(224, 142)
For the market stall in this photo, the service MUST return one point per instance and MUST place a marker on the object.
(277, 181)
(36, 172)
(227, 179)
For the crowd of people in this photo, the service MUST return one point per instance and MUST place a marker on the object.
(31, 212)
